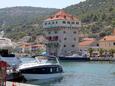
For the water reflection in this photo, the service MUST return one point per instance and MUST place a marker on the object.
(84, 74)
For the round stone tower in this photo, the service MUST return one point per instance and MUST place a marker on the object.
(62, 34)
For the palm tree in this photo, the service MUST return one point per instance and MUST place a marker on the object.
(112, 51)
(90, 51)
(101, 51)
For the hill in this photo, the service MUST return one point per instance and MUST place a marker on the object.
(98, 16)
(20, 21)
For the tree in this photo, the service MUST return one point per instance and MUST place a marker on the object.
(90, 51)
(101, 51)
(112, 51)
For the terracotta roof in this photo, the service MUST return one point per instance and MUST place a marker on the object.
(61, 15)
(87, 41)
(108, 38)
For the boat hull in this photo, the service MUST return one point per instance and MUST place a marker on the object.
(42, 72)
(41, 76)
(75, 58)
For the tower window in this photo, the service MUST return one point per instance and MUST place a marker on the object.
(45, 23)
(49, 32)
(56, 22)
(64, 45)
(56, 32)
(52, 22)
(64, 17)
(57, 16)
(68, 22)
(65, 38)
(97, 44)
(114, 43)
(49, 23)
(74, 32)
(73, 23)
(73, 45)
(77, 22)
(64, 31)
(64, 22)
(74, 39)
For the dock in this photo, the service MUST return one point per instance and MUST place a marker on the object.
(18, 84)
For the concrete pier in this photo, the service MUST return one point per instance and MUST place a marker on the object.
(18, 84)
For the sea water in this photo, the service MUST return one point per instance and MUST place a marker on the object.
(83, 74)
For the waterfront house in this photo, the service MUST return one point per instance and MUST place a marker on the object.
(108, 42)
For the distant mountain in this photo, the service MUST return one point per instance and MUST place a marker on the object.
(97, 16)
(23, 15)
(21, 21)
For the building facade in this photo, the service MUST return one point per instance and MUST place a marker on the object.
(108, 42)
(62, 34)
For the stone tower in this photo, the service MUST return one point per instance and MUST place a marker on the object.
(62, 34)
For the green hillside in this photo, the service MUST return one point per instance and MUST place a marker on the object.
(98, 16)
(20, 21)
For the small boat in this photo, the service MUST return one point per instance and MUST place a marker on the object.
(75, 57)
(40, 69)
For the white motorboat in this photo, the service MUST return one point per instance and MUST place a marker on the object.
(6, 47)
(40, 68)
(75, 57)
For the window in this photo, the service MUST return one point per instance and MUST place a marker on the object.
(52, 22)
(73, 23)
(114, 43)
(49, 32)
(74, 32)
(64, 17)
(73, 45)
(64, 45)
(51, 17)
(97, 44)
(74, 39)
(56, 22)
(77, 22)
(49, 23)
(64, 31)
(57, 16)
(45, 23)
(65, 38)
(64, 22)
(68, 22)
(56, 32)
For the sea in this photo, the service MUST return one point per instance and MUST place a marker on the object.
(83, 74)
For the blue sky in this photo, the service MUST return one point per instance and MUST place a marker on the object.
(38, 3)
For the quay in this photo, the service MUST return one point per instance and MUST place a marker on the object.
(8, 83)
(102, 59)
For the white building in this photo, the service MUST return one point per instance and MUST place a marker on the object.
(62, 33)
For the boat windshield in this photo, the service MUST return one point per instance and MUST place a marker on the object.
(45, 59)
(39, 59)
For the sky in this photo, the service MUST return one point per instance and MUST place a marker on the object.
(38, 3)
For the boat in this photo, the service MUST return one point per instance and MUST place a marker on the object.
(75, 57)
(40, 68)
(6, 47)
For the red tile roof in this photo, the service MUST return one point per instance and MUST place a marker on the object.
(108, 38)
(87, 42)
(61, 15)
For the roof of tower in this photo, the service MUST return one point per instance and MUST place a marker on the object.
(62, 15)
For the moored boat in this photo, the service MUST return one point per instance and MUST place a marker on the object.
(40, 69)
(75, 57)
